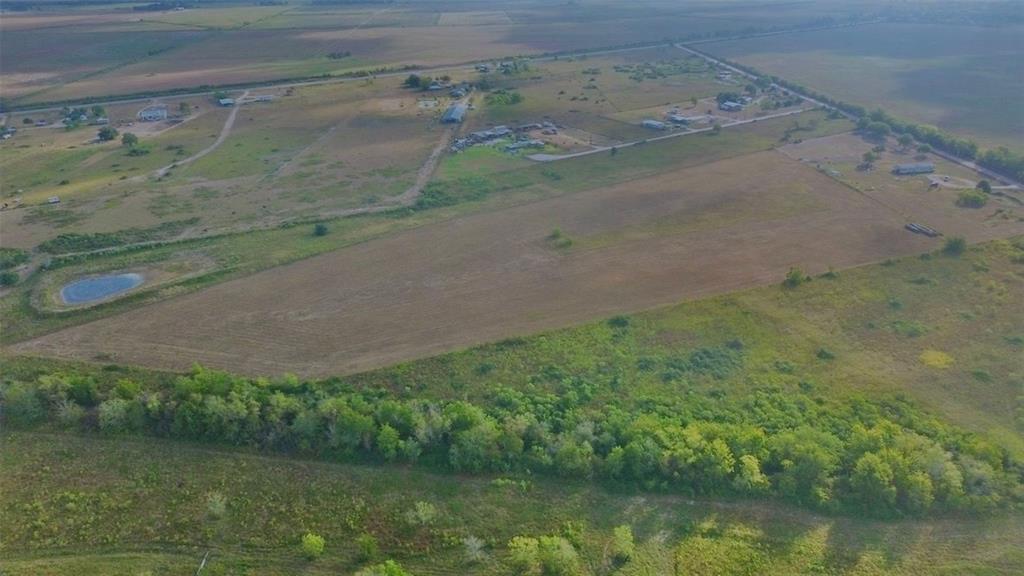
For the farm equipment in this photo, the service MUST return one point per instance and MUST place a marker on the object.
(922, 229)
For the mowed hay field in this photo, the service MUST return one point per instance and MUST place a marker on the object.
(964, 79)
(680, 234)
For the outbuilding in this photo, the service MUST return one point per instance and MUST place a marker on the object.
(914, 168)
(454, 114)
(654, 124)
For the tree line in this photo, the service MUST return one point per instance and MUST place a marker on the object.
(880, 458)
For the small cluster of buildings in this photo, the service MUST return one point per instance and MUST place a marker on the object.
(152, 113)
(480, 137)
(520, 139)
(672, 119)
(524, 144)
(459, 90)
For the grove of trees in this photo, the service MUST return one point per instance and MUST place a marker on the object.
(876, 457)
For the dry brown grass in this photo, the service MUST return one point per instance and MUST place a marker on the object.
(718, 227)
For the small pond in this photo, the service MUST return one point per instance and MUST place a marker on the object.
(99, 287)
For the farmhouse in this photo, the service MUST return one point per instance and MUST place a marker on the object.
(730, 106)
(153, 113)
(914, 168)
(454, 114)
(654, 124)
(226, 101)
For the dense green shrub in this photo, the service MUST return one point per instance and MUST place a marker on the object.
(623, 547)
(12, 257)
(312, 546)
(9, 278)
(74, 242)
(504, 98)
(954, 246)
(794, 278)
(971, 199)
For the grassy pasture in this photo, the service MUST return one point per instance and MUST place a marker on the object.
(312, 151)
(960, 78)
(518, 180)
(122, 506)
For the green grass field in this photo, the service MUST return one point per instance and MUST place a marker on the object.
(960, 78)
(122, 506)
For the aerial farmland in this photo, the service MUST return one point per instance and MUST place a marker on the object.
(560, 289)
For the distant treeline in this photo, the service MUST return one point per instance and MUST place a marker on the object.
(26, 5)
(163, 6)
(873, 457)
(1001, 159)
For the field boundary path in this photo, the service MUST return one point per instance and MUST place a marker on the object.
(225, 131)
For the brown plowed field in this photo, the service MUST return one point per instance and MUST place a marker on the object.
(718, 227)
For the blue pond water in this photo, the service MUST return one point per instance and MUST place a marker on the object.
(98, 287)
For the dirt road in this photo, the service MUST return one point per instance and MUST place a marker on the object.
(225, 131)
